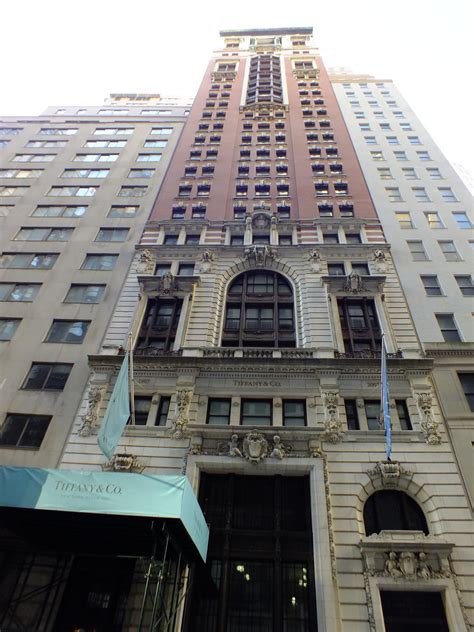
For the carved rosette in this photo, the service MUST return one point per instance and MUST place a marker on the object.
(146, 262)
(255, 447)
(315, 260)
(259, 254)
(90, 418)
(181, 419)
(429, 425)
(332, 422)
(123, 463)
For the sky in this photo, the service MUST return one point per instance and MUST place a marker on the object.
(76, 53)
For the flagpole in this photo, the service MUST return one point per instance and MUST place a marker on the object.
(385, 400)
(131, 381)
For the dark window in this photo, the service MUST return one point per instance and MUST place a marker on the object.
(68, 331)
(218, 412)
(256, 412)
(237, 240)
(163, 410)
(353, 238)
(359, 324)
(413, 611)
(259, 312)
(372, 412)
(99, 262)
(467, 383)
(162, 268)
(351, 414)
(403, 416)
(448, 327)
(170, 240)
(47, 377)
(186, 269)
(393, 510)
(84, 293)
(24, 431)
(336, 269)
(360, 268)
(294, 412)
(330, 238)
(192, 240)
(8, 326)
(142, 408)
(160, 324)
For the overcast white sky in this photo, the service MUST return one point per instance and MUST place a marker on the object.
(56, 52)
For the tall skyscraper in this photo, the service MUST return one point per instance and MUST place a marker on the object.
(262, 287)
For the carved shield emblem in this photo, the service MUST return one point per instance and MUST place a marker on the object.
(255, 447)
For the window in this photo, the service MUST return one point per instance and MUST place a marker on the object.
(336, 269)
(84, 293)
(198, 212)
(370, 140)
(10, 131)
(294, 412)
(47, 377)
(431, 285)
(44, 234)
(58, 131)
(12, 191)
(132, 191)
(24, 431)
(467, 383)
(170, 240)
(142, 405)
(115, 144)
(372, 413)
(417, 250)
(8, 326)
(404, 220)
(400, 155)
(85, 173)
(112, 234)
(434, 220)
(409, 173)
(59, 211)
(387, 510)
(394, 194)
(259, 312)
(162, 268)
(385, 126)
(21, 292)
(20, 173)
(99, 262)
(72, 191)
(403, 416)
(448, 327)
(359, 324)
(68, 331)
(123, 211)
(351, 414)
(406, 127)
(449, 250)
(462, 220)
(465, 284)
(95, 157)
(414, 140)
(330, 238)
(434, 173)
(218, 412)
(33, 158)
(237, 240)
(192, 240)
(423, 155)
(186, 269)
(122, 131)
(420, 194)
(27, 261)
(160, 324)
(141, 173)
(163, 410)
(256, 412)
(360, 268)
(392, 140)
(385, 173)
(161, 131)
(155, 143)
(353, 238)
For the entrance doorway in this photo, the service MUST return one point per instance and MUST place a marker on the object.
(405, 611)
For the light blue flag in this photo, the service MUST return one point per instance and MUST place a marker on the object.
(117, 413)
(385, 402)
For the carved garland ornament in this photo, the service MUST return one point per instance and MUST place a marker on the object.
(258, 254)
(181, 418)
(429, 425)
(123, 463)
(332, 422)
(90, 418)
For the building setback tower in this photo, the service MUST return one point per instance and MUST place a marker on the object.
(257, 301)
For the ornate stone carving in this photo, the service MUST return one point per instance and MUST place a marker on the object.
(408, 565)
(196, 445)
(230, 448)
(332, 422)
(261, 221)
(146, 262)
(315, 260)
(181, 418)
(280, 450)
(353, 283)
(380, 260)
(123, 463)
(389, 471)
(258, 254)
(89, 419)
(429, 425)
(255, 447)
(207, 259)
(166, 284)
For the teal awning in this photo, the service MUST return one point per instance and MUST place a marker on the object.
(109, 493)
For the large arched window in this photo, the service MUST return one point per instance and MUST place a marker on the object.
(259, 311)
(392, 510)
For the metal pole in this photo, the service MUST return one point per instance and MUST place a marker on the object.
(159, 583)
(147, 582)
(132, 381)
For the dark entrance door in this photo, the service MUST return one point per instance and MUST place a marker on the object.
(259, 575)
(96, 595)
(415, 611)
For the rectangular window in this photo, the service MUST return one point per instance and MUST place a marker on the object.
(186, 269)
(462, 220)
(132, 191)
(406, 127)
(58, 131)
(420, 194)
(465, 284)
(403, 416)
(330, 238)
(392, 140)
(28, 261)
(377, 155)
(115, 144)
(148, 157)
(122, 131)
(170, 240)
(10, 131)
(43, 234)
(141, 173)
(449, 250)
(24, 431)
(19, 292)
(218, 412)
(370, 140)
(20, 173)
(47, 377)
(434, 220)
(351, 414)
(423, 155)
(59, 211)
(256, 412)
(394, 194)
(8, 326)
(467, 383)
(84, 293)
(448, 327)
(163, 410)
(72, 191)
(336, 269)
(12, 191)
(95, 157)
(385, 173)
(123, 211)
(85, 173)
(68, 331)
(294, 412)
(142, 405)
(431, 285)
(414, 140)
(359, 268)
(400, 155)
(409, 173)
(112, 234)
(353, 238)
(404, 220)
(161, 131)
(33, 158)
(156, 143)
(417, 250)
(99, 262)
(434, 173)
(372, 412)
(162, 268)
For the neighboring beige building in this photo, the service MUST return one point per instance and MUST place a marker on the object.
(77, 185)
